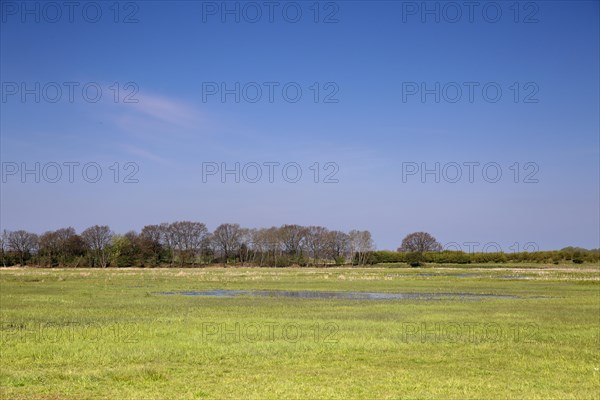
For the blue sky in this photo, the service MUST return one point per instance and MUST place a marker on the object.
(366, 57)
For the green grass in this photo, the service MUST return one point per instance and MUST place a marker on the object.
(85, 334)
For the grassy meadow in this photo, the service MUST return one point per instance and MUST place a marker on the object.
(112, 333)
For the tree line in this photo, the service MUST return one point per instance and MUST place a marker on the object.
(566, 255)
(189, 244)
(421, 247)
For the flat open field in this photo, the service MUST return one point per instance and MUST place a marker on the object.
(130, 334)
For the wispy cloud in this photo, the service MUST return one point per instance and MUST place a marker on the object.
(158, 116)
(169, 111)
(156, 122)
(138, 151)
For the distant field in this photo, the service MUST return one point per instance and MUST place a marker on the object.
(92, 333)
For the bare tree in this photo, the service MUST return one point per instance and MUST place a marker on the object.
(49, 247)
(150, 242)
(316, 239)
(55, 245)
(23, 243)
(266, 245)
(337, 244)
(168, 239)
(70, 244)
(274, 246)
(419, 242)
(360, 244)
(227, 239)
(245, 249)
(188, 239)
(98, 239)
(65, 234)
(3, 246)
(292, 237)
(259, 245)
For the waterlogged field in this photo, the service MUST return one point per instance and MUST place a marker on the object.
(132, 334)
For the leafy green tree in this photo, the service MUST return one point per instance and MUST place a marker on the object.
(122, 253)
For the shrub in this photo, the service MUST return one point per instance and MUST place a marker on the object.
(414, 259)
(340, 260)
